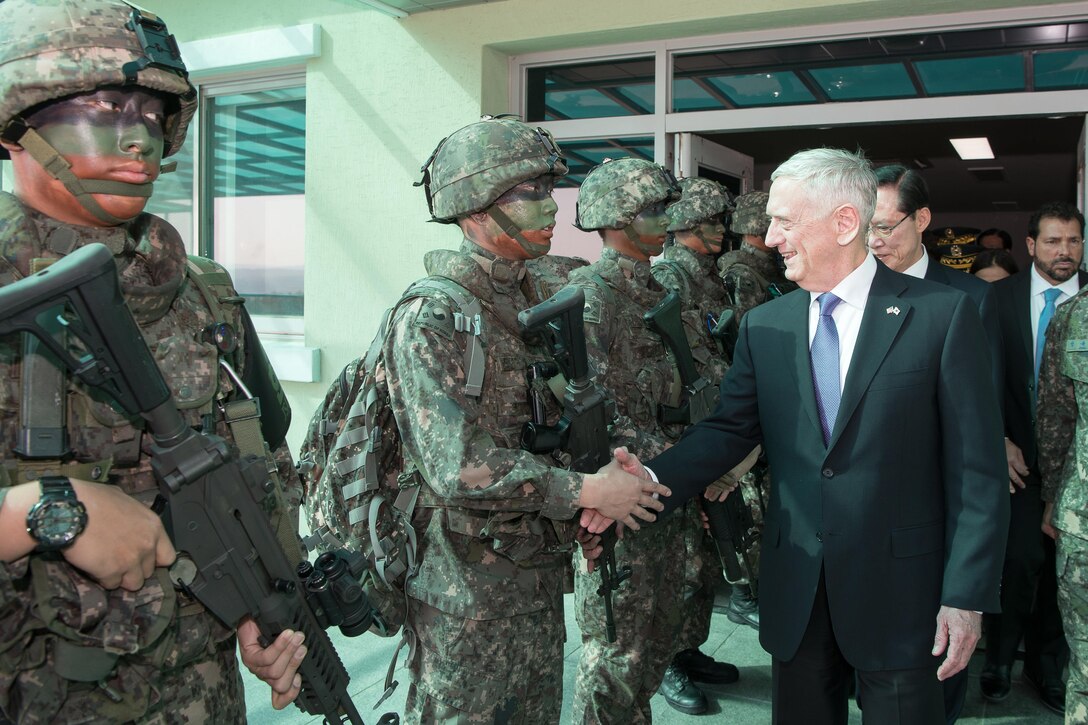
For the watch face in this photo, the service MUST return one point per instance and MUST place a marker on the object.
(56, 523)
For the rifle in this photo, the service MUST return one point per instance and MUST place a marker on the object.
(730, 520)
(700, 396)
(212, 504)
(724, 332)
(582, 429)
(732, 528)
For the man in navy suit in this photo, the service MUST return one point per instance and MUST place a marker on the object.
(895, 237)
(885, 532)
(1029, 605)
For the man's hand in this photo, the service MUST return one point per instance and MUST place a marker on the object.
(124, 540)
(1017, 467)
(958, 631)
(1048, 520)
(630, 463)
(616, 494)
(276, 664)
(591, 547)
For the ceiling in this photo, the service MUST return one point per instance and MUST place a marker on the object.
(1035, 157)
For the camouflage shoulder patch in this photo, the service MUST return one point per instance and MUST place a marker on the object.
(594, 311)
(436, 315)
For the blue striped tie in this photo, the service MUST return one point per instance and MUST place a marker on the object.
(825, 364)
(1050, 296)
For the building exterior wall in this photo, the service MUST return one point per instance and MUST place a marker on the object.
(384, 92)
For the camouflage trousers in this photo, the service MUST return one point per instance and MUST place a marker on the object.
(1072, 567)
(702, 575)
(616, 681)
(755, 487)
(485, 671)
(209, 690)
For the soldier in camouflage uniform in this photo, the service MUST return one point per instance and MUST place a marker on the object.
(697, 224)
(92, 629)
(1061, 430)
(752, 276)
(625, 201)
(496, 523)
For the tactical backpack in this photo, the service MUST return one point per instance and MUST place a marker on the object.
(360, 490)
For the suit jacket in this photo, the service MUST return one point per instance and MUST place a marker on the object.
(906, 509)
(983, 295)
(1013, 296)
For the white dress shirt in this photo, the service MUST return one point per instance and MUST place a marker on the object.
(854, 293)
(919, 268)
(1038, 286)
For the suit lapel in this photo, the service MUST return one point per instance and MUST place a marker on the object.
(879, 327)
(796, 349)
(1022, 300)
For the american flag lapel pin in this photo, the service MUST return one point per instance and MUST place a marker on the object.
(892, 310)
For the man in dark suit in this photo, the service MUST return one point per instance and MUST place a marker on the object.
(1029, 607)
(895, 237)
(885, 531)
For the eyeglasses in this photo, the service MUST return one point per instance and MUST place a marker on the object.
(883, 230)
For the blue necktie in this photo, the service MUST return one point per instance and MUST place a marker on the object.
(1051, 296)
(825, 364)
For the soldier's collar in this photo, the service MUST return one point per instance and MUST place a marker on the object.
(746, 247)
(503, 273)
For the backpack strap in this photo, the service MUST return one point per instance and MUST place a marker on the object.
(674, 269)
(467, 319)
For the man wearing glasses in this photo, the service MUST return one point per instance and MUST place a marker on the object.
(895, 237)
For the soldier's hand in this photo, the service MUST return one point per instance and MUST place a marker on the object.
(619, 495)
(958, 631)
(591, 547)
(276, 664)
(720, 489)
(630, 463)
(1048, 520)
(1017, 467)
(124, 540)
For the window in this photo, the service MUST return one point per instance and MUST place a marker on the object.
(243, 169)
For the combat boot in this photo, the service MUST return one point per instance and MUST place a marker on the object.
(743, 607)
(681, 693)
(703, 668)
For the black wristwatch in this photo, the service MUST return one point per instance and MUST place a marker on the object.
(58, 517)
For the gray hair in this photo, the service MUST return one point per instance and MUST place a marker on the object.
(832, 177)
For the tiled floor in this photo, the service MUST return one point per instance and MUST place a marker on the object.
(747, 701)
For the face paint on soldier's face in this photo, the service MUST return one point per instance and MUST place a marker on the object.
(529, 205)
(650, 226)
(711, 233)
(112, 134)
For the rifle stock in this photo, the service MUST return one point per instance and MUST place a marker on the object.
(700, 396)
(582, 430)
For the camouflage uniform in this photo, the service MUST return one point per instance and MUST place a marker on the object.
(496, 524)
(693, 276)
(495, 555)
(71, 651)
(1062, 428)
(748, 274)
(616, 681)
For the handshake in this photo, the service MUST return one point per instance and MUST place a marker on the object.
(621, 492)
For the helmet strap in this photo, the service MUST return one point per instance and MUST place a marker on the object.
(82, 189)
(706, 245)
(511, 228)
(647, 249)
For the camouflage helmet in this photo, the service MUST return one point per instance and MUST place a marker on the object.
(614, 192)
(701, 200)
(50, 49)
(750, 214)
(477, 164)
